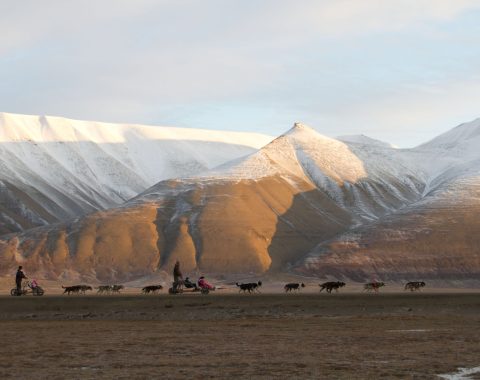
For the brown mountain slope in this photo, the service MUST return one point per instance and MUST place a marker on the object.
(224, 228)
(434, 239)
(54, 169)
(258, 214)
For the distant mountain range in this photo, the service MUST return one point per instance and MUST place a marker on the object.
(347, 208)
(435, 237)
(54, 169)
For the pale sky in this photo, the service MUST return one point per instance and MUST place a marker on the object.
(401, 71)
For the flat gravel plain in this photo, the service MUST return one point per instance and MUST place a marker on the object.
(262, 336)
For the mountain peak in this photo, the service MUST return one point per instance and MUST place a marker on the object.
(299, 127)
(468, 130)
(305, 134)
(462, 135)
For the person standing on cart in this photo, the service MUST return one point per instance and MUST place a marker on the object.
(18, 279)
(177, 276)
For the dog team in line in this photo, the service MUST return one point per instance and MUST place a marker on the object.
(179, 285)
(249, 287)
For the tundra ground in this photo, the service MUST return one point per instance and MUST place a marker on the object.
(267, 336)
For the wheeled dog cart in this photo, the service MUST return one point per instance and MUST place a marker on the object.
(179, 288)
(28, 288)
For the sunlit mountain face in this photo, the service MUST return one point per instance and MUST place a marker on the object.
(54, 169)
(352, 208)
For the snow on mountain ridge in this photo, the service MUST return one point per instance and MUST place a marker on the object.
(433, 236)
(356, 177)
(69, 167)
(466, 134)
(16, 127)
(269, 209)
(291, 153)
(302, 147)
(450, 156)
(362, 139)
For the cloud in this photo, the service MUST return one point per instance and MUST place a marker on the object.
(350, 16)
(299, 21)
(156, 60)
(28, 23)
(408, 117)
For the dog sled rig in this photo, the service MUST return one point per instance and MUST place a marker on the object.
(29, 287)
(182, 286)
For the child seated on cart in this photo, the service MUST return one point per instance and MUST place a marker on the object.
(36, 289)
(203, 284)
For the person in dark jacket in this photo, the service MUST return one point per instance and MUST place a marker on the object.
(177, 274)
(18, 279)
(189, 284)
(177, 278)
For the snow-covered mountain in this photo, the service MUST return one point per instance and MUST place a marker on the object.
(256, 213)
(356, 176)
(304, 202)
(53, 168)
(435, 237)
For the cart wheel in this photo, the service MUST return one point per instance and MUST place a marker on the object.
(13, 292)
(39, 292)
(205, 291)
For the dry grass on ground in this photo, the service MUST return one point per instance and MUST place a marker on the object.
(344, 336)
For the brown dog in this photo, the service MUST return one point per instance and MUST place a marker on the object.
(331, 285)
(117, 288)
(293, 286)
(151, 289)
(414, 285)
(250, 287)
(375, 286)
(76, 289)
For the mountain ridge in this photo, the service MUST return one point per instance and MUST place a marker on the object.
(293, 205)
(68, 167)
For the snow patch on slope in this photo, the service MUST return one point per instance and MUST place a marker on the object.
(365, 140)
(299, 152)
(365, 180)
(71, 166)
